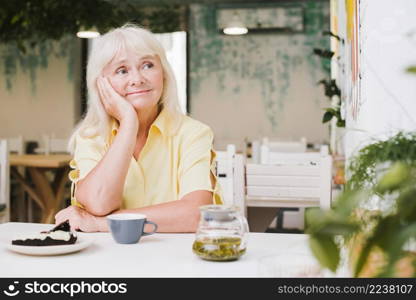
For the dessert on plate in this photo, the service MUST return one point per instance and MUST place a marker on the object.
(59, 235)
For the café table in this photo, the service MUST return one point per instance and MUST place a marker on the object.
(48, 194)
(158, 255)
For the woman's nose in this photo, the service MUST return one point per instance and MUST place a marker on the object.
(136, 78)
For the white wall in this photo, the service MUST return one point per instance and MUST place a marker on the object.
(388, 93)
(174, 44)
(53, 108)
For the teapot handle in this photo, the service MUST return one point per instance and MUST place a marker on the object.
(244, 223)
(244, 229)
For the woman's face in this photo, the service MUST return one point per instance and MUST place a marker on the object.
(139, 79)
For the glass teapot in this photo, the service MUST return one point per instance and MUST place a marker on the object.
(221, 234)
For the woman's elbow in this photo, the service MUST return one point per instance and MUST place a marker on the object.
(99, 210)
(96, 208)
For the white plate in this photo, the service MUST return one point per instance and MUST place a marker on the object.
(80, 244)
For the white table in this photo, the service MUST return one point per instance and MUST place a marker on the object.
(158, 255)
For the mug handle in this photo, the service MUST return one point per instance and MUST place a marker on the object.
(154, 228)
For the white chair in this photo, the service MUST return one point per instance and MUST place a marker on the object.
(57, 145)
(269, 149)
(290, 180)
(16, 145)
(287, 218)
(260, 150)
(4, 182)
(53, 145)
(230, 175)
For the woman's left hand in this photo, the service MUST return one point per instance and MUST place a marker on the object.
(80, 219)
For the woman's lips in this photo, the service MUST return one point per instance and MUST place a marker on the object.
(138, 92)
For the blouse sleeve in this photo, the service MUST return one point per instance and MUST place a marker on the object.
(197, 165)
(88, 152)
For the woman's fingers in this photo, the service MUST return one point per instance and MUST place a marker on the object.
(110, 92)
(71, 214)
(110, 99)
(114, 104)
(74, 223)
(61, 216)
(78, 218)
(102, 93)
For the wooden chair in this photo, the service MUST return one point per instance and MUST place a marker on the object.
(289, 180)
(4, 182)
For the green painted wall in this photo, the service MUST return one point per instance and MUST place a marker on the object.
(258, 74)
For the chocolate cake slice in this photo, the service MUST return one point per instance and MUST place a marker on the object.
(59, 235)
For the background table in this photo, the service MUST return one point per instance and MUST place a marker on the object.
(48, 194)
(159, 255)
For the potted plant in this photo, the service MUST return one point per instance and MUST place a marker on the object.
(378, 238)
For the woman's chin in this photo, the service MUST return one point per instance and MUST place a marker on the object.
(143, 104)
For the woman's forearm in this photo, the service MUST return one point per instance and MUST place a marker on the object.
(100, 192)
(175, 216)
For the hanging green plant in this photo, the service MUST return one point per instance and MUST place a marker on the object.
(323, 53)
(30, 30)
(331, 88)
(363, 166)
(36, 58)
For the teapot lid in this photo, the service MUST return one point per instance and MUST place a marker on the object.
(218, 212)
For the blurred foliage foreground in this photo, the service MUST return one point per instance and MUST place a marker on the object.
(374, 219)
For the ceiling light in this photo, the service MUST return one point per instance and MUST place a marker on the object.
(89, 33)
(235, 26)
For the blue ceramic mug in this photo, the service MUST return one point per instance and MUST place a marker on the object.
(128, 228)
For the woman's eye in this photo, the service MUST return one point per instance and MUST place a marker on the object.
(121, 71)
(147, 65)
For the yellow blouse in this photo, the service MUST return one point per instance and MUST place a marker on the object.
(175, 161)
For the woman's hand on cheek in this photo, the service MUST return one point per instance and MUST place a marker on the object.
(114, 104)
(80, 219)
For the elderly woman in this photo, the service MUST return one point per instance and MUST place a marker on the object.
(135, 151)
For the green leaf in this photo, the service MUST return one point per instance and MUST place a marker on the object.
(338, 227)
(411, 69)
(349, 200)
(331, 87)
(385, 230)
(313, 219)
(325, 250)
(395, 250)
(327, 117)
(406, 204)
(362, 258)
(15, 18)
(393, 179)
(324, 53)
(340, 123)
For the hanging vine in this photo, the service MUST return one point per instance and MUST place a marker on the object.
(31, 31)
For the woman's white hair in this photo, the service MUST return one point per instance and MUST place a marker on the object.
(105, 48)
